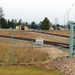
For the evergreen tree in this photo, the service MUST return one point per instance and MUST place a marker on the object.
(6, 24)
(26, 24)
(33, 25)
(45, 24)
(57, 27)
(9, 23)
(12, 23)
(20, 22)
(3, 23)
(15, 22)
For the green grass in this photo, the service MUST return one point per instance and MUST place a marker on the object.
(19, 70)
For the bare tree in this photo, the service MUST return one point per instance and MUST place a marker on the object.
(1, 17)
(1, 12)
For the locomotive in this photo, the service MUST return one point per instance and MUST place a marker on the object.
(22, 27)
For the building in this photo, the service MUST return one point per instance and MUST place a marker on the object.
(19, 27)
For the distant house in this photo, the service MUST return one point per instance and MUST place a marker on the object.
(51, 28)
(60, 28)
(19, 27)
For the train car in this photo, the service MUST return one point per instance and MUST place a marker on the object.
(22, 27)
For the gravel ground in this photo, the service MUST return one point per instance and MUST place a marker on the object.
(64, 64)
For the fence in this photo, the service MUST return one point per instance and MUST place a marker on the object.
(22, 50)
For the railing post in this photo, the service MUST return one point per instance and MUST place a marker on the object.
(11, 52)
(71, 39)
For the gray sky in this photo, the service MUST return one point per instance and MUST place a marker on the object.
(37, 10)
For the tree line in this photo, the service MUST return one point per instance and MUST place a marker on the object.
(4, 23)
(44, 25)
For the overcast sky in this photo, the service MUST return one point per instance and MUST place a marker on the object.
(37, 10)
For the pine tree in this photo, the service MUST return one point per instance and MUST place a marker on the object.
(45, 25)
(3, 23)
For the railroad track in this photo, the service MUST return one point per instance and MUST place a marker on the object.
(57, 44)
(51, 34)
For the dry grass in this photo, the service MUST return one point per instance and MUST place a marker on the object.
(21, 55)
(63, 32)
(27, 55)
(33, 35)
